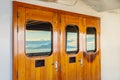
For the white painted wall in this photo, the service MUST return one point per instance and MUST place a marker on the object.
(110, 45)
(109, 37)
(5, 40)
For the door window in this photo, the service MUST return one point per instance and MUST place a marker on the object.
(91, 39)
(72, 39)
(38, 38)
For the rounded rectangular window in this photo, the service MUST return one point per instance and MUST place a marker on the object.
(91, 39)
(38, 38)
(72, 36)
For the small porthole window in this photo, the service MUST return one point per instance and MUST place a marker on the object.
(72, 36)
(38, 38)
(91, 39)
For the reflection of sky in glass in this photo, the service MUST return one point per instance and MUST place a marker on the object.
(71, 41)
(90, 42)
(38, 41)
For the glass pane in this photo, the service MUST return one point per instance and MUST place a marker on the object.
(72, 39)
(38, 38)
(91, 39)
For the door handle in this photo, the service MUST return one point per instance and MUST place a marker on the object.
(81, 61)
(56, 65)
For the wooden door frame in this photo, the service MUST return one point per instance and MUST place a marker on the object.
(17, 4)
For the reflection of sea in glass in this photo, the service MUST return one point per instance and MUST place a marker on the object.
(90, 42)
(38, 41)
(71, 41)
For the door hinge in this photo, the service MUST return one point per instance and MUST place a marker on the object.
(17, 25)
(60, 31)
(60, 20)
(17, 29)
(60, 23)
(60, 67)
(17, 14)
(17, 75)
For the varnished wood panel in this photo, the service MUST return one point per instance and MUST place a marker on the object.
(70, 71)
(92, 59)
(14, 49)
(24, 67)
(32, 6)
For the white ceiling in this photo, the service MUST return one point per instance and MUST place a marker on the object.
(98, 5)
(117, 11)
(103, 5)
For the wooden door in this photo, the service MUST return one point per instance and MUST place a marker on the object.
(37, 45)
(50, 44)
(91, 51)
(71, 47)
